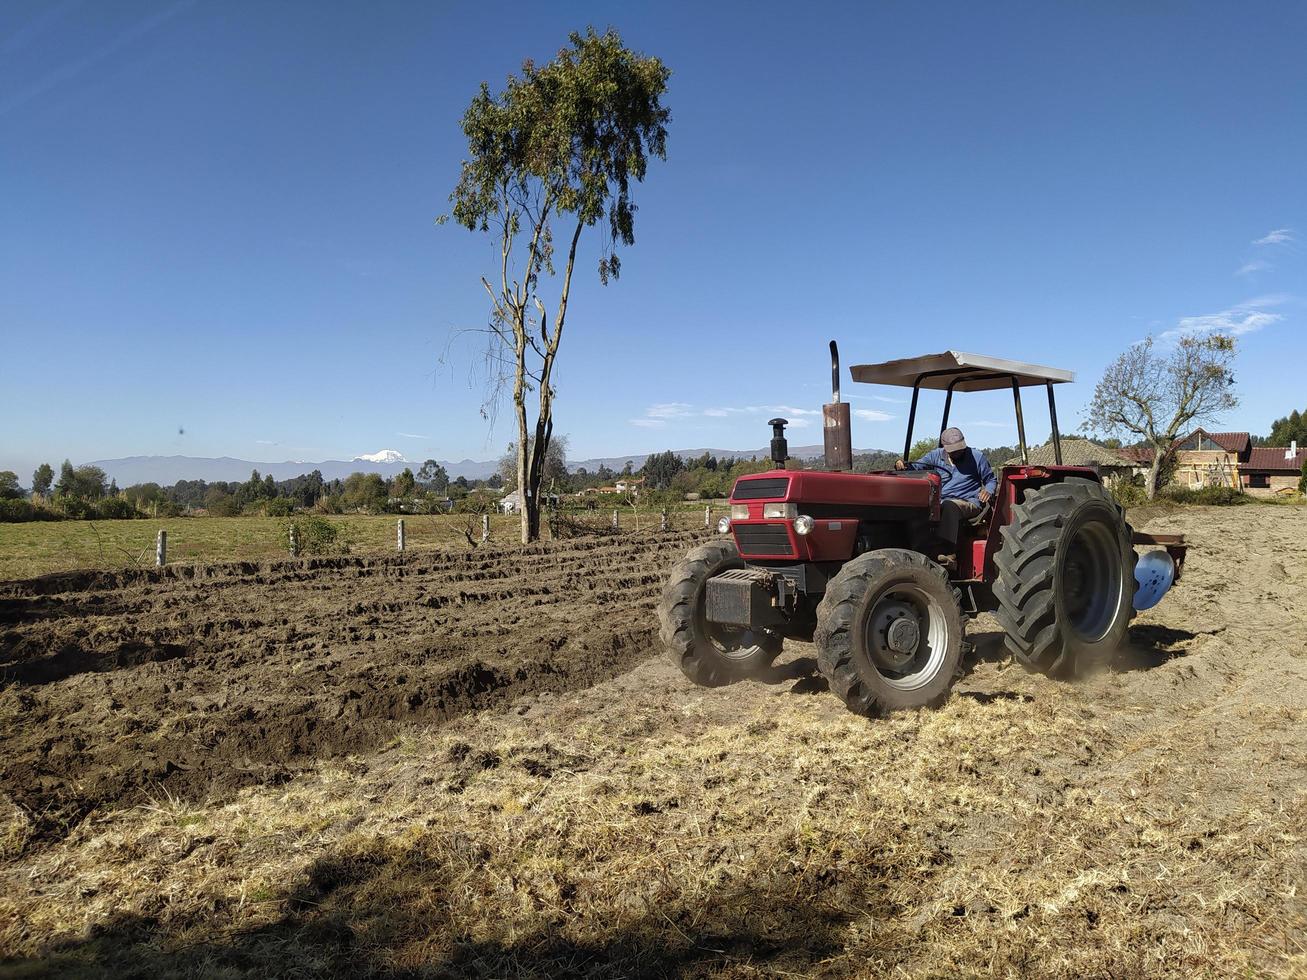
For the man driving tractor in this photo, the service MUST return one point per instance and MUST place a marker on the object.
(968, 482)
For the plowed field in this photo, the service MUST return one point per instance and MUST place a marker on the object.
(475, 764)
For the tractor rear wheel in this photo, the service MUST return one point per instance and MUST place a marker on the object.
(889, 632)
(1066, 582)
(708, 653)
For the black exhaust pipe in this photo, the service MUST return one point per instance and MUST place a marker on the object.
(780, 449)
(836, 430)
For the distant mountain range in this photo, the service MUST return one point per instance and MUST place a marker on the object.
(166, 470)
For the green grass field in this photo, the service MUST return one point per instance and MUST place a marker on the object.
(38, 547)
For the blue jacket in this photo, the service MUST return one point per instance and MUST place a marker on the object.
(962, 481)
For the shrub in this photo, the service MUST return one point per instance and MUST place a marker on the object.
(16, 511)
(279, 507)
(114, 509)
(1217, 496)
(316, 536)
(1129, 494)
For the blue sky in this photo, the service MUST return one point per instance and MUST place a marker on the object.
(217, 232)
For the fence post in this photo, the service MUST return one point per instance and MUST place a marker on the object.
(161, 549)
(399, 535)
(662, 524)
(616, 524)
(707, 516)
(485, 527)
(294, 542)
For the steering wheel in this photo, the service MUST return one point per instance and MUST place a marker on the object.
(934, 466)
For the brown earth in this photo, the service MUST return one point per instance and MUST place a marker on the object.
(470, 766)
(195, 681)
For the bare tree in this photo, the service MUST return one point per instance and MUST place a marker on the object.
(1154, 396)
(560, 143)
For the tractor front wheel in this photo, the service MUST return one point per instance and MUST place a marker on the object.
(708, 653)
(889, 632)
(1066, 582)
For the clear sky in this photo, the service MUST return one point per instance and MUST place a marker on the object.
(217, 236)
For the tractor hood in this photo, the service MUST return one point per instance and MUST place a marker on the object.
(907, 489)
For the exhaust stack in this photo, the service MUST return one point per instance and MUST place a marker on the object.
(835, 421)
(780, 449)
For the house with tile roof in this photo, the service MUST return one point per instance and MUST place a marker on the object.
(1273, 469)
(1202, 458)
(1109, 464)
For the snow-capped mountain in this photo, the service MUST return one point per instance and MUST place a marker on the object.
(384, 456)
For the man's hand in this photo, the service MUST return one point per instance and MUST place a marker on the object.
(984, 495)
(900, 465)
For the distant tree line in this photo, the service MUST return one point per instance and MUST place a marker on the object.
(84, 492)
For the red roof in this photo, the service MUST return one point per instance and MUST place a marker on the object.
(1273, 458)
(1231, 442)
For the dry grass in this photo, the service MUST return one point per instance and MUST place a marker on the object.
(980, 839)
(31, 549)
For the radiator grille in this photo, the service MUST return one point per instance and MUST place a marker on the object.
(768, 487)
(763, 539)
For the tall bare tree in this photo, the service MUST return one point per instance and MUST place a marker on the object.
(1155, 395)
(560, 144)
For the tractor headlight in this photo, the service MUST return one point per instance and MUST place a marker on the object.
(724, 525)
(739, 512)
(782, 511)
(803, 524)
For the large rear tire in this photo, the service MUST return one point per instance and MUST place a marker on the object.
(709, 654)
(889, 632)
(1066, 582)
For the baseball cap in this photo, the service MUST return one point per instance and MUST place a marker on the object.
(951, 439)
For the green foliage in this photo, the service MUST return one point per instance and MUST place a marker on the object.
(1129, 494)
(433, 476)
(42, 480)
(1302, 480)
(279, 507)
(315, 536)
(365, 492)
(1285, 430)
(570, 135)
(660, 469)
(1218, 496)
(16, 511)
(115, 509)
(923, 446)
(9, 488)
(404, 484)
(81, 482)
(219, 503)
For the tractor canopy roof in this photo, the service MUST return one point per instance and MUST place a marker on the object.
(958, 370)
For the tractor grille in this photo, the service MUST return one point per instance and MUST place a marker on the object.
(775, 486)
(763, 539)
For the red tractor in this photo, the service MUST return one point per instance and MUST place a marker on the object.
(844, 559)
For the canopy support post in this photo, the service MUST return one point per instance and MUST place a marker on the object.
(912, 417)
(1052, 418)
(1021, 422)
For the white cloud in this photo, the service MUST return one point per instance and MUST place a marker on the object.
(1248, 268)
(782, 409)
(1244, 318)
(265, 442)
(412, 435)
(668, 410)
(648, 423)
(1280, 236)
(872, 415)
(799, 423)
(876, 398)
